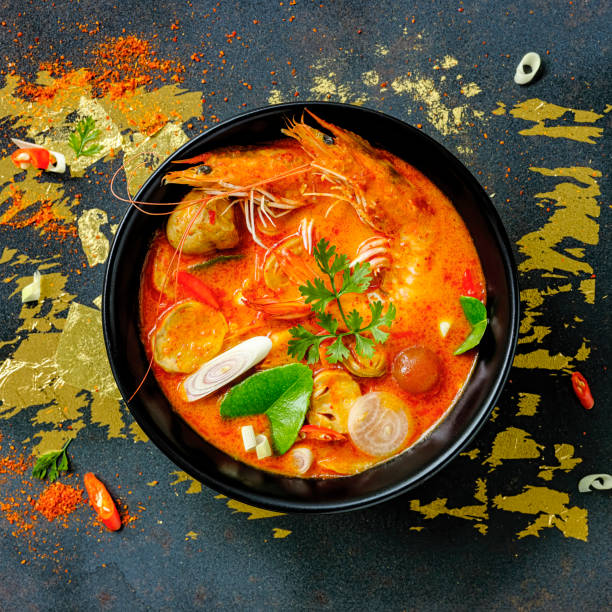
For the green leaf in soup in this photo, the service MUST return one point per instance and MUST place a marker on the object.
(283, 393)
(473, 338)
(216, 260)
(288, 412)
(473, 309)
(255, 394)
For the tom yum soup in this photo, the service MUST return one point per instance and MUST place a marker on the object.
(313, 305)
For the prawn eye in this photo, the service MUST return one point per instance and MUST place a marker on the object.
(329, 140)
(203, 169)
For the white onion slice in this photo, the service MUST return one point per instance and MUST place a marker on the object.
(532, 61)
(378, 424)
(302, 459)
(595, 481)
(224, 368)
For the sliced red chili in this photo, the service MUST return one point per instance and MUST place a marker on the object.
(102, 502)
(582, 390)
(321, 433)
(198, 289)
(212, 216)
(39, 158)
(469, 287)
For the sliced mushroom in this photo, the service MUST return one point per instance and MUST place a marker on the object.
(189, 335)
(332, 397)
(213, 227)
(364, 367)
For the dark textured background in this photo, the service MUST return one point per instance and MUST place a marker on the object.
(369, 559)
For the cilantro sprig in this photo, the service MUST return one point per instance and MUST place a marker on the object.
(305, 344)
(51, 464)
(85, 133)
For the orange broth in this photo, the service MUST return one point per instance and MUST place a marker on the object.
(424, 283)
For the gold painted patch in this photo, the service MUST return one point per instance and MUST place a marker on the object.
(564, 453)
(95, 244)
(280, 533)
(438, 507)
(195, 486)
(512, 443)
(551, 508)
(253, 512)
(543, 113)
(528, 404)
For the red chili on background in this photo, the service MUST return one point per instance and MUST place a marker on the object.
(37, 157)
(102, 502)
(582, 390)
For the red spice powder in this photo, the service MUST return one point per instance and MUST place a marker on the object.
(43, 217)
(58, 500)
(116, 67)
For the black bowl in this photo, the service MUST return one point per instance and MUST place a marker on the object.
(384, 481)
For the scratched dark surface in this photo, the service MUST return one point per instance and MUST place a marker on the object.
(191, 550)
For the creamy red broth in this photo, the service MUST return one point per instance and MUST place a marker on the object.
(425, 281)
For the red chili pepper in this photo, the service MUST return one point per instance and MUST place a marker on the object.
(39, 158)
(102, 502)
(212, 216)
(582, 390)
(321, 433)
(468, 286)
(198, 289)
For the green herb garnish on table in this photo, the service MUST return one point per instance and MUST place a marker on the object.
(51, 464)
(476, 313)
(283, 393)
(305, 344)
(85, 133)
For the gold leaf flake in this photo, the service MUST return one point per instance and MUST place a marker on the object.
(512, 443)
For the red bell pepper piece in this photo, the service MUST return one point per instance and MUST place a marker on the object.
(102, 502)
(39, 158)
(468, 286)
(198, 289)
(582, 390)
(321, 433)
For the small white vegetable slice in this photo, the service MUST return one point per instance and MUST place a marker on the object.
(31, 292)
(226, 367)
(527, 69)
(444, 327)
(60, 163)
(378, 423)
(263, 449)
(248, 438)
(595, 481)
(302, 459)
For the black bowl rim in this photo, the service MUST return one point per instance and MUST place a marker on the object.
(283, 505)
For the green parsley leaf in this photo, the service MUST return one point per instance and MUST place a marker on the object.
(51, 464)
(320, 293)
(336, 351)
(317, 295)
(356, 280)
(85, 133)
(476, 313)
(282, 393)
